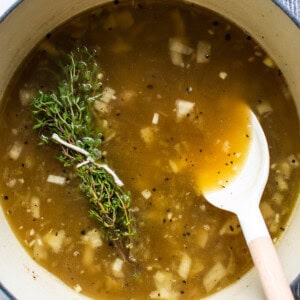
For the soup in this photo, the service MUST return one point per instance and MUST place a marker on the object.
(174, 115)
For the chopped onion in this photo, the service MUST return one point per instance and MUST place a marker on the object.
(184, 266)
(101, 107)
(87, 257)
(266, 210)
(16, 150)
(281, 183)
(174, 166)
(146, 194)
(285, 169)
(177, 59)
(77, 288)
(163, 282)
(26, 94)
(108, 95)
(56, 179)
(203, 52)
(35, 207)
(147, 134)
(93, 238)
(11, 183)
(264, 108)
(55, 240)
(202, 237)
(177, 49)
(39, 251)
(117, 268)
(214, 276)
(183, 108)
(223, 75)
(269, 62)
(277, 198)
(226, 146)
(175, 45)
(155, 118)
(230, 227)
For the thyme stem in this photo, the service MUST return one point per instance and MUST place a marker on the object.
(89, 159)
(65, 118)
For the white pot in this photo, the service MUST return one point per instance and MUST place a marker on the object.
(31, 20)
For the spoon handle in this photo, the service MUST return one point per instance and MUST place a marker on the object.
(269, 269)
(264, 255)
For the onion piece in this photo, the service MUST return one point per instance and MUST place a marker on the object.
(60, 180)
(35, 207)
(177, 59)
(146, 194)
(177, 49)
(26, 94)
(269, 62)
(264, 108)
(202, 237)
(93, 238)
(16, 150)
(203, 52)
(147, 134)
(183, 108)
(184, 266)
(55, 240)
(163, 282)
(175, 45)
(155, 118)
(108, 95)
(214, 276)
(223, 75)
(117, 268)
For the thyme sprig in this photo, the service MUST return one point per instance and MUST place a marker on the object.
(64, 118)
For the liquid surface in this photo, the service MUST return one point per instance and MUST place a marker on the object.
(176, 120)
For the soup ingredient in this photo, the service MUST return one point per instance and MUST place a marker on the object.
(65, 117)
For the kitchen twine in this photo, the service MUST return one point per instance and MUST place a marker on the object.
(290, 7)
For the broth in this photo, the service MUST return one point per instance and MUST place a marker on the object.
(178, 81)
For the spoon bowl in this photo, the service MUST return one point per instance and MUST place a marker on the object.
(242, 196)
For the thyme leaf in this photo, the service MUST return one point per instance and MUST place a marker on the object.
(66, 113)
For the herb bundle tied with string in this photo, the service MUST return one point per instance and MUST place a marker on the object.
(64, 118)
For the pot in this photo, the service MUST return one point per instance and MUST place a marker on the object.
(27, 22)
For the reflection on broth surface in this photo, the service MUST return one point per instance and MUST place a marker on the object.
(177, 83)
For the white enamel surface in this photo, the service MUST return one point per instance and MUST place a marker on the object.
(33, 19)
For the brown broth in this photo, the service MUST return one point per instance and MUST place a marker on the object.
(165, 165)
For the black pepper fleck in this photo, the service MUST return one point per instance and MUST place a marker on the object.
(227, 36)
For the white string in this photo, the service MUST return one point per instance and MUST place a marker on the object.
(89, 159)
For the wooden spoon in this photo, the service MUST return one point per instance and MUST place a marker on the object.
(242, 197)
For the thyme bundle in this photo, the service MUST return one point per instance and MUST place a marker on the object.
(64, 118)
